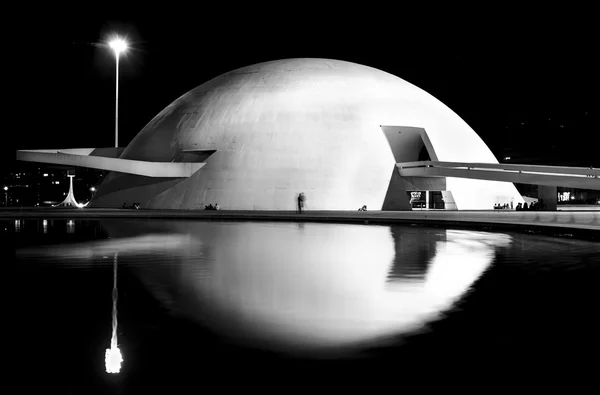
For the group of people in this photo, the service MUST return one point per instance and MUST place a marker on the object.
(211, 207)
(135, 206)
(539, 205)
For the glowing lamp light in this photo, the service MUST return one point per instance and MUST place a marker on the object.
(113, 359)
(118, 45)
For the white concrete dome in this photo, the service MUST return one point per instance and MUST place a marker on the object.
(299, 125)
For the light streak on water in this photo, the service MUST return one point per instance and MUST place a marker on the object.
(70, 226)
(113, 357)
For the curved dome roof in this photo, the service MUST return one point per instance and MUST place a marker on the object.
(292, 125)
(282, 90)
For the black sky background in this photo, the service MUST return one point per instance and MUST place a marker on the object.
(514, 77)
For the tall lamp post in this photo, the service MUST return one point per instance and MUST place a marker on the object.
(118, 45)
(5, 196)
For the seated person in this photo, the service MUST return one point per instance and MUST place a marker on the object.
(217, 206)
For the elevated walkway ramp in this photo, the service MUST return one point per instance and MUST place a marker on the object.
(558, 176)
(107, 159)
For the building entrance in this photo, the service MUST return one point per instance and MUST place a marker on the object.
(426, 200)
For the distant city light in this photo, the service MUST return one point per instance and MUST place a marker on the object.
(6, 188)
(92, 189)
(507, 158)
(45, 174)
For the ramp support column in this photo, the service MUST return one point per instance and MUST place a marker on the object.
(549, 195)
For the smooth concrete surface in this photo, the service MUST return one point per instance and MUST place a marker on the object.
(302, 125)
(505, 219)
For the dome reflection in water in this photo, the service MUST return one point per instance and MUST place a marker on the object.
(304, 288)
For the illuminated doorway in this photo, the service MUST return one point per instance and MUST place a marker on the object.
(426, 200)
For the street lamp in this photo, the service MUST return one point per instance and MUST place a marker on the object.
(5, 196)
(118, 45)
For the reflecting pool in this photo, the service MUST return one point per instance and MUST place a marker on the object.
(188, 300)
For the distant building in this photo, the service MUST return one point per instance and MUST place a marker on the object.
(38, 186)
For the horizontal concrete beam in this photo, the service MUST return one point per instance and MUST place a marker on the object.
(426, 183)
(521, 177)
(556, 170)
(82, 158)
(107, 152)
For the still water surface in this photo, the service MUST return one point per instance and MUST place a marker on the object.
(252, 303)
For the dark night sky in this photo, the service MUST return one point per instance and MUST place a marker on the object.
(496, 71)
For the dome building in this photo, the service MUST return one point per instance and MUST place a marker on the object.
(332, 129)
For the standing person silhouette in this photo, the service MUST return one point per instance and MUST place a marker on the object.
(300, 202)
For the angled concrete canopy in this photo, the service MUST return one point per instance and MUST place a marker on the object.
(570, 177)
(82, 157)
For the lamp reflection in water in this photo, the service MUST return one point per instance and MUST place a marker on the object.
(318, 290)
(113, 357)
(70, 226)
(45, 226)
